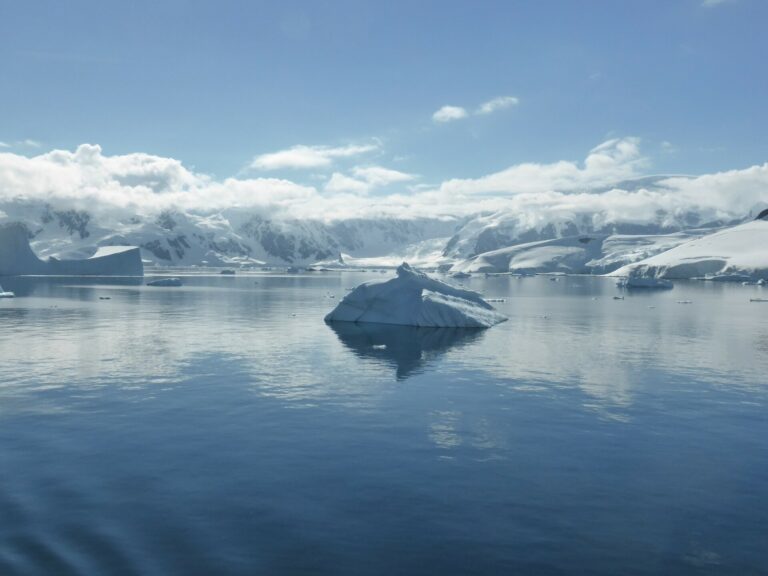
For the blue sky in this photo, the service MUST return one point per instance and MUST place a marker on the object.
(218, 84)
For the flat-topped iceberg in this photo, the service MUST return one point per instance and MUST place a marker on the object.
(415, 299)
(18, 259)
(165, 282)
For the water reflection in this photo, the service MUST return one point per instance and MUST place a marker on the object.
(46, 285)
(408, 348)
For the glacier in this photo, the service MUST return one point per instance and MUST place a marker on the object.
(735, 253)
(414, 299)
(583, 254)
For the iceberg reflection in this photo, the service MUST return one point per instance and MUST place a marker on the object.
(408, 348)
(48, 285)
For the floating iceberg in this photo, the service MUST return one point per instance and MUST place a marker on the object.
(165, 282)
(415, 299)
(18, 259)
(4, 294)
(644, 282)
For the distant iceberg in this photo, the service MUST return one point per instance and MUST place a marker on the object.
(415, 299)
(165, 282)
(4, 294)
(648, 282)
(18, 259)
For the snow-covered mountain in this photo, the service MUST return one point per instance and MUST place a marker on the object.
(582, 254)
(565, 238)
(737, 252)
(489, 232)
(590, 212)
(175, 238)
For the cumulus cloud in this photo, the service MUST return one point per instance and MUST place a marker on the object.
(380, 176)
(138, 183)
(366, 178)
(306, 157)
(449, 114)
(339, 183)
(123, 185)
(612, 161)
(497, 104)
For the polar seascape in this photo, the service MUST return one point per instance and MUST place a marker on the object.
(540, 426)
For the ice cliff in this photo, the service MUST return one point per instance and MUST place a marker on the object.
(17, 258)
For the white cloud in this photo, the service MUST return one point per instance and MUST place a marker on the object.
(497, 104)
(380, 176)
(612, 161)
(712, 3)
(137, 183)
(4, 145)
(449, 114)
(305, 157)
(366, 178)
(537, 193)
(29, 143)
(339, 183)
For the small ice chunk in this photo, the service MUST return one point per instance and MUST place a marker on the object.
(165, 282)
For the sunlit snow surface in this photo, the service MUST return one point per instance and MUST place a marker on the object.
(739, 250)
(222, 427)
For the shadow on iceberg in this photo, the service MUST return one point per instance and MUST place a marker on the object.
(408, 348)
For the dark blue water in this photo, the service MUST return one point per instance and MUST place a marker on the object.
(223, 428)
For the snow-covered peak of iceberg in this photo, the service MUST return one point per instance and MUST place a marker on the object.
(415, 299)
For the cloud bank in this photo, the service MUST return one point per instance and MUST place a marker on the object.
(142, 184)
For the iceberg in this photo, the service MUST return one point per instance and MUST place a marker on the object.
(4, 294)
(166, 282)
(415, 299)
(18, 259)
(647, 282)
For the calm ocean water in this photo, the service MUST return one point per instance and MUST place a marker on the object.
(223, 428)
